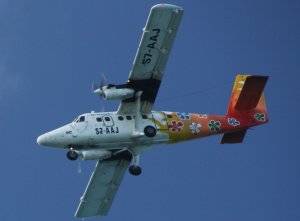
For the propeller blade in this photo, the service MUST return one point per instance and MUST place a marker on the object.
(103, 106)
(79, 169)
(94, 86)
(103, 81)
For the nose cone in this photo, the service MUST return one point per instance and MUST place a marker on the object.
(56, 138)
(44, 140)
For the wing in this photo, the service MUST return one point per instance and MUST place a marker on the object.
(102, 187)
(152, 55)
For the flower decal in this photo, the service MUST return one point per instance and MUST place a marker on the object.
(175, 126)
(195, 128)
(183, 116)
(214, 125)
(260, 117)
(233, 122)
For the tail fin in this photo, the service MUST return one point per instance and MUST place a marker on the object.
(247, 99)
(247, 94)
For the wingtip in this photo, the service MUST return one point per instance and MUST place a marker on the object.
(166, 6)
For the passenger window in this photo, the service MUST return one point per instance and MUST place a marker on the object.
(99, 119)
(107, 118)
(144, 116)
(81, 119)
(169, 115)
(128, 117)
(121, 118)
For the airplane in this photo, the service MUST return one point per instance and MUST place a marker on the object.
(117, 139)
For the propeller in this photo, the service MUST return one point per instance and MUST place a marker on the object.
(97, 88)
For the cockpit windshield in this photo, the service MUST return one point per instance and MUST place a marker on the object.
(79, 119)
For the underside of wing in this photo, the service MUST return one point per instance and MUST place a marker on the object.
(152, 55)
(102, 187)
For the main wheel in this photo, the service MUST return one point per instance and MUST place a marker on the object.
(135, 170)
(150, 131)
(72, 155)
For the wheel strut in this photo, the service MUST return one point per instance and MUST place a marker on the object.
(135, 169)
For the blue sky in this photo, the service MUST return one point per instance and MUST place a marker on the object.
(52, 51)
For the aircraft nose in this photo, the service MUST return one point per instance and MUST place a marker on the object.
(43, 139)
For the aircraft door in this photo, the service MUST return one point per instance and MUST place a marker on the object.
(108, 121)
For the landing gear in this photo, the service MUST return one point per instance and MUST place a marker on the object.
(135, 170)
(72, 155)
(150, 131)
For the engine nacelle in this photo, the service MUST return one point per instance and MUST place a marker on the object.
(114, 93)
(94, 154)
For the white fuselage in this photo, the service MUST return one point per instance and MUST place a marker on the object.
(106, 130)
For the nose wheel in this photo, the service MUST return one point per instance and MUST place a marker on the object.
(72, 155)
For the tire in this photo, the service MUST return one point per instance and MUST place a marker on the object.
(135, 170)
(72, 155)
(150, 131)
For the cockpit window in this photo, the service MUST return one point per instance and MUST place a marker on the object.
(107, 118)
(81, 119)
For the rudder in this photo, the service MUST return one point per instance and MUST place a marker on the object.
(247, 94)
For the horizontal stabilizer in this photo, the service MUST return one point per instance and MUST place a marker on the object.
(234, 137)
